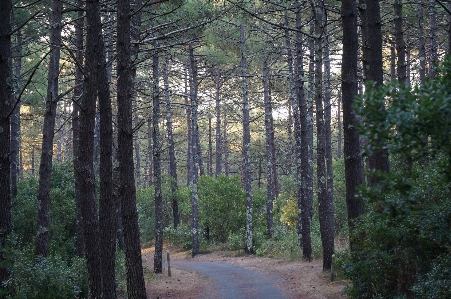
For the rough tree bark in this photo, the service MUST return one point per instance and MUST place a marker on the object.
(270, 152)
(51, 101)
(15, 116)
(305, 206)
(249, 246)
(297, 126)
(6, 93)
(171, 148)
(193, 151)
(157, 147)
(84, 166)
(378, 160)
(108, 203)
(400, 43)
(326, 206)
(218, 84)
(353, 160)
(133, 260)
(78, 91)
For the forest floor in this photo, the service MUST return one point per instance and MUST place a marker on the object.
(295, 279)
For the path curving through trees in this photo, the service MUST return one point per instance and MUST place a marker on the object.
(232, 282)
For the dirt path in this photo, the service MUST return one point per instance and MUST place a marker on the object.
(192, 279)
(232, 282)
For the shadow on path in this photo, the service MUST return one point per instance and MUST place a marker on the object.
(232, 282)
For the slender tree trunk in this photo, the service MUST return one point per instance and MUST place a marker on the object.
(210, 148)
(290, 139)
(136, 143)
(171, 149)
(78, 92)
(433, 57)
(45, 168)
(326, 207)
(305, 206)
(271, 192)
(273, 145)
(392, 63)
(218, 169)
(421, 43)
(149, 153)
(15, 117)
(320, 139)
(353, 159)
(339, 127)
(158, 197)
(135, 31)
(133, 261)
(194, 152)
(199, 154)
(6, 94)
(249, 249)
(225, 148)
(362, 9)
(294, 82)
(400, 43)
(189, 133)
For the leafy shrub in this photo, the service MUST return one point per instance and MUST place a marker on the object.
(51, 277)
(62, 211)
(404, 238)
(221, 206)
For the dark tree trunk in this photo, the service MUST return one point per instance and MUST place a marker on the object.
(78, 92)
(218, 169)
(270, 153)
(210, 148)
(158, 197)
(6, 94)
(421, 43)
(136, 143)
(378, 160)
(433, 58)
(249, 246)
(339, 127)
(15, 117)
(353, 159)
(149, 153)
(225, 149)
(189, 157)
(85, 160)
(200, 159)
(193, 152)
(135, 31)
(133, 261)
(290, 151)
(171, 150)
(392, 63)
(400, 43)
(108, 203)
(362, 8)
(326, 205)
(294, 82)
(305, 189)
(45, 168)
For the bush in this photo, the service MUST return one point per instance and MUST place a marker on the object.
(51, 277)
(62, 211)
(404, 238)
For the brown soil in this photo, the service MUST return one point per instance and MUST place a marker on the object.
(297, 279)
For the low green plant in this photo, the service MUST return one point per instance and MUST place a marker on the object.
(42, 278)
